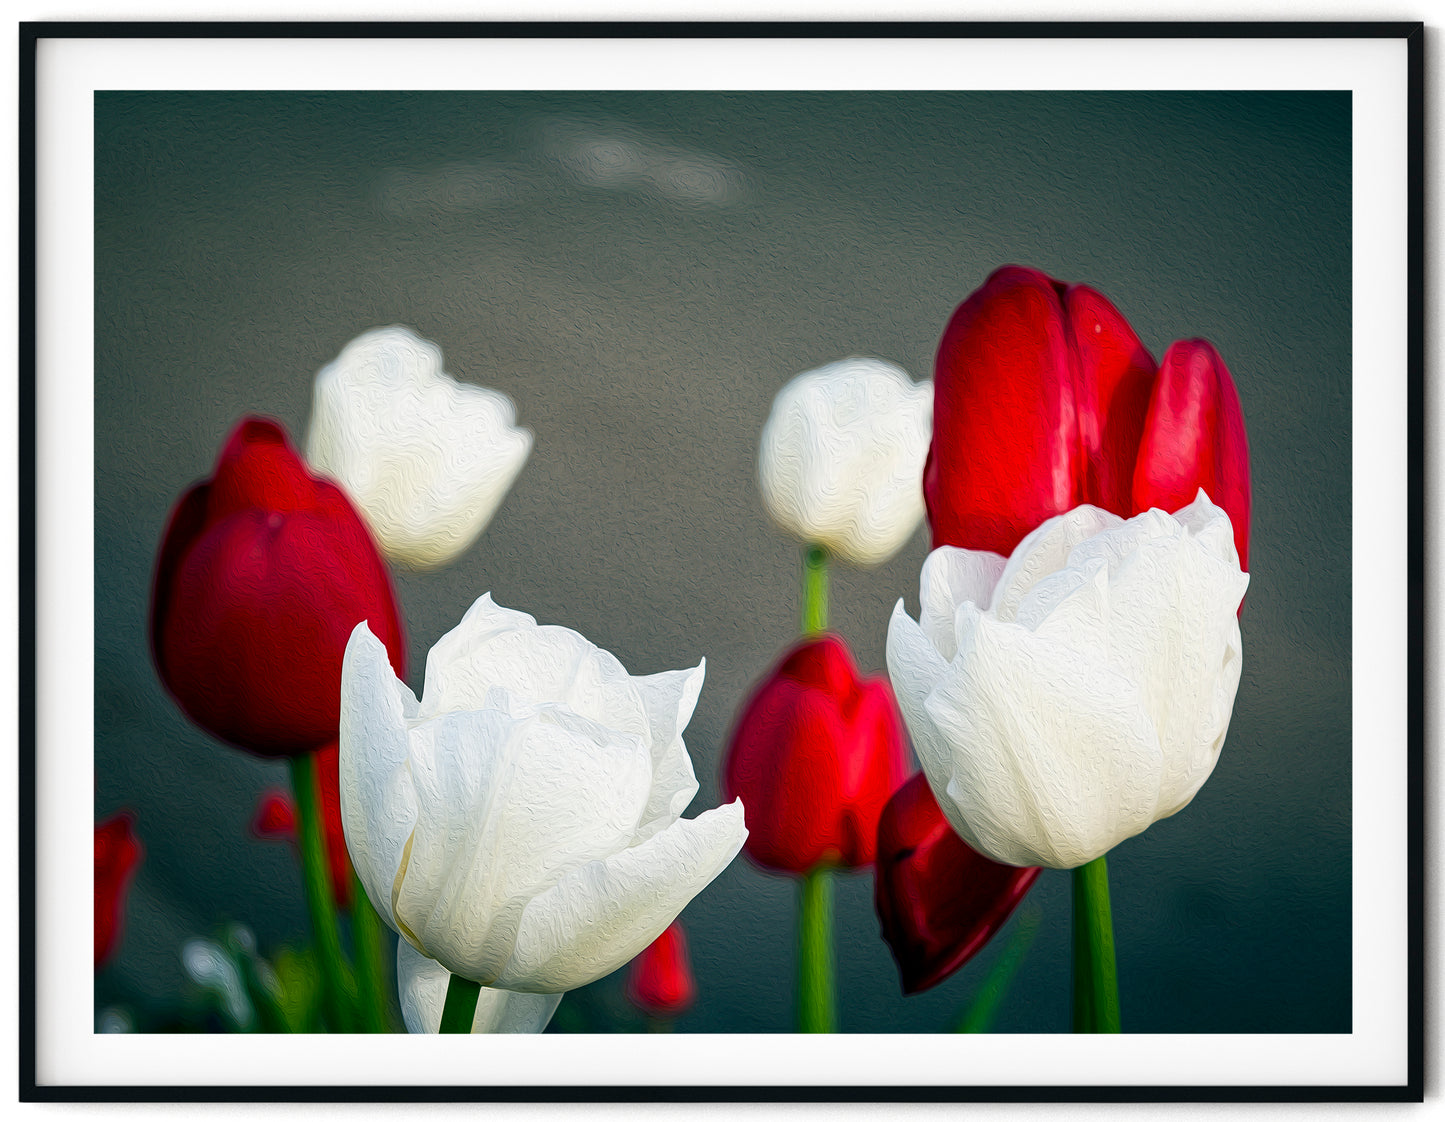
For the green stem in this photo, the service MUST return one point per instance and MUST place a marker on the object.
(1096, 980)
(816, 1001)
(815, 589)
(368, 941)
(980, 1015)
(319, 901)
(460, 1009)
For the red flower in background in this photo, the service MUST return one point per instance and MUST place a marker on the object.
(263, 572)
(939, 901)
(814, 755)
(660, 980)
(275, 819)
(1044, 399)
(117, 853)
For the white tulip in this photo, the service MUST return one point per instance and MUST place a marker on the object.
(1069, 697)
(423, 983)
(841, 461)
(426, 459)
(520, 824)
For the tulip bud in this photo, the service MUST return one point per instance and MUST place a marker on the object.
(842, 455)
(426, 458)
(660, 980)
(275, 820)
(263, 572)
(117, 853)
(938, 900)
(1040, 390)
(1194, 438)
(814, 755)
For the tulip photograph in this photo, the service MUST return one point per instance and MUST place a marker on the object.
(723, 563)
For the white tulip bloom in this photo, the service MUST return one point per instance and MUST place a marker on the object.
(520, 824)
(1068, 697)
(426, 459)
(423, 983)
(841, 461)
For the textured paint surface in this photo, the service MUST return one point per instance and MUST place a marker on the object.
(641, 274)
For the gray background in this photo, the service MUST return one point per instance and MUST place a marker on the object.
(641, 273)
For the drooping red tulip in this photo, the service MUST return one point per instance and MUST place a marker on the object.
(814, 755)
(1040, 391)
(938, 900)
(1194, 437)
(660, 980)
(263, 572)
(275, 819)
(117, 853)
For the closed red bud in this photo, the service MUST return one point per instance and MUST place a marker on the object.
(1040, 390)
(814, 755)
(275, 819)
(1194, 437)
(938, 900)
(660, 980)
(117, 853)
(263, 572)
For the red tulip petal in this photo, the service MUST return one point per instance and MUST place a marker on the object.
(275, 818)
(1006, 450)
(938, 900)
(1194, 437)
(328, 778)
(1116, 375)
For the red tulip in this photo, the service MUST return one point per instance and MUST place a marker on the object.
(263, 572)
(1040, 391)
(275, 819)
(939, 901)
(1045, 399)
(117, 853)
(660, 980)
(814, 755)
(1194, 437)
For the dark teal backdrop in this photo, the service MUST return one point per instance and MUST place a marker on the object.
(641, 272)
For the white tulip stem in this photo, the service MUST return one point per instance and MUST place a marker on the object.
(1096, 979)
(815, 589)
(460, 1009)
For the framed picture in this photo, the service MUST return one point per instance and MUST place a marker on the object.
(640, 234)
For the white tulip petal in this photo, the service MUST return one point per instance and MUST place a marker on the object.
(427, 459)
(1046, 550)
(493, 648)
(1055, 760)
(952, 577)
(669, 698)
(378, 802)
(422, 983)
(602, 915)
(915, 667)
(841, 457)
(499, 820)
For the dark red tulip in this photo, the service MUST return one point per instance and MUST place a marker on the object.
(814, 755)
(263, 572)
(1194, 437)
(275, 819)
(660, 980)
(117, 853)
(1040, 391)
(939, 901)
